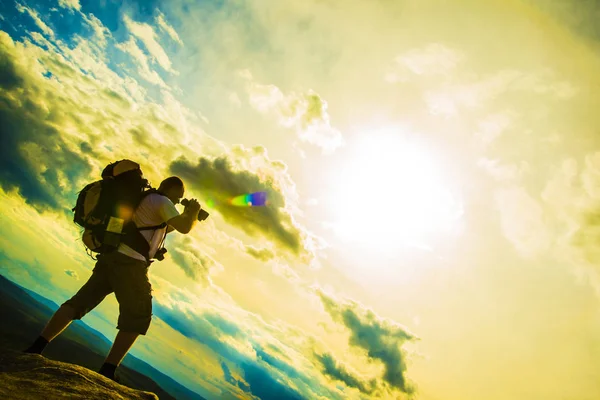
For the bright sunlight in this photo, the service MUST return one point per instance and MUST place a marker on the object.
(392, 193)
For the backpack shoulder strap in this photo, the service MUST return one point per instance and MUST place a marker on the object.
(153, 227)
(132, 233)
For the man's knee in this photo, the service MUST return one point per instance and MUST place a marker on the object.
(135, 311)
(74, 309)
(134, 323)
(68, 311)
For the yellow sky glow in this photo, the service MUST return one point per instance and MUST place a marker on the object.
(432, 170)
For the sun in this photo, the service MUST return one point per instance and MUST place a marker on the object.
(392, 192)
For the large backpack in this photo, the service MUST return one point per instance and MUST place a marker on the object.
(105, 208)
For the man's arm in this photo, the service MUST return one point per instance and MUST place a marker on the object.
(183, 223)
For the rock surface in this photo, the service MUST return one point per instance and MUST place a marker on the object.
(32, 376)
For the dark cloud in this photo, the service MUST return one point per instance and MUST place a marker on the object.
(263, 385)
(259, 383)
(382, 340)
(262, 254)
(587, 236)
(307, 108)
(339, 372)
(232, 380)
(117, 98)
(33, 157)
(210, 329)
(217, 179)
(197, 328)
(85, 147)
(316, 110)
(580, 17)
(308, 111)
(9, 78)
(72, 274)
(280, 361)
(276, 362)
(194, 262)
(141, 136)
(224, 325)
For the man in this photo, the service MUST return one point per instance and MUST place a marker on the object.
(125, 272)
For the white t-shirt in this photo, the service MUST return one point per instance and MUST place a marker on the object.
(153, 210)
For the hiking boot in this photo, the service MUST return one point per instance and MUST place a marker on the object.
(37, 347)
(109, 371)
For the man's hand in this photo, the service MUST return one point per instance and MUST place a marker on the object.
(192, 207)
(183, 223)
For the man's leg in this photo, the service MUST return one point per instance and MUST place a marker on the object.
(86, 299)
(122, 344)
(133, 292)
(58, 323)
(119, 349)
(61, 319)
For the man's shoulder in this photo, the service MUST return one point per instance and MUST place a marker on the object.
(157, 200)
(157, 197)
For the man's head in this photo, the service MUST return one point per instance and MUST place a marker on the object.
(173, 188)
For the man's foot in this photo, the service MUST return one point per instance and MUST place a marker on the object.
(29, 350)
(37, 347)
(108, 370)
(114, 378)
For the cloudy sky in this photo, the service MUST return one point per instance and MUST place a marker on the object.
(432, 170)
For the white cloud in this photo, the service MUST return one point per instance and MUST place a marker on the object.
(522, 220)
(305, 112)
(451, 97)
(499, 171)
(72, 4)
(492, 126)
(130, 47)
(145, 33)
(235, 99)
(101, 32)
(433, 59)
(164, 25)
(572, 198)
(192, 256)
(591, 176)
(288, 273)
(36, 18)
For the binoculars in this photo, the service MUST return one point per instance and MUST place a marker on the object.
(202, 214)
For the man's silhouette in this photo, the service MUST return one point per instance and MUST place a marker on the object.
(125, 272)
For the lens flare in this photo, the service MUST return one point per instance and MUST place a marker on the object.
(249, 200)
(124, 212)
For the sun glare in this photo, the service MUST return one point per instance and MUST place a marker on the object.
(392, 193)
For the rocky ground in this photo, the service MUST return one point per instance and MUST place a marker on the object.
(31, 376)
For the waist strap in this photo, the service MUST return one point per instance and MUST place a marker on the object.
(133, 238)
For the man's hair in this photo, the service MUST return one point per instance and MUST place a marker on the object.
(171, 182)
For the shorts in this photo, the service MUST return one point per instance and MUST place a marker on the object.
(128, 278)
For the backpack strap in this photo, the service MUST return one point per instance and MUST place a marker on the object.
(133, 236)
(148, 228)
